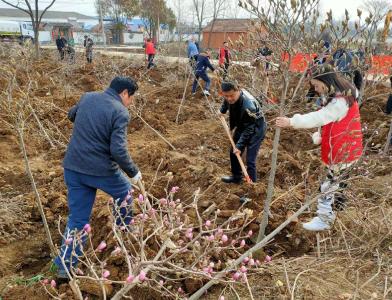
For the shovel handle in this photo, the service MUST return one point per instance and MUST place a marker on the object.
(244, 171)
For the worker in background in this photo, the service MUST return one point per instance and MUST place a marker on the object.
(193, 52)
(202, 64)
(224, 58)
(150, 52)
(89, 43)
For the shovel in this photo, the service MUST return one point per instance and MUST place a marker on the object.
(244, 171)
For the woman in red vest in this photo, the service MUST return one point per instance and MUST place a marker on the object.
(340, 139)
(150, 51)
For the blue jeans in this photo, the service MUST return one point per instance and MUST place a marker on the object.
(204, 76)
(82, 189)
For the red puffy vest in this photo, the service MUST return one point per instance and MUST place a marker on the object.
(341, 141)
(150, 48)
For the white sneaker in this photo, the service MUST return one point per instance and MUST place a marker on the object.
(317, 224)
(207, 93)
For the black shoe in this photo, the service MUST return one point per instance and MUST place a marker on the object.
(231, 179)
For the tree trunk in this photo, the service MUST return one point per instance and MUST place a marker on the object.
(36, 41)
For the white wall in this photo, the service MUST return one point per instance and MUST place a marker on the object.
(133, 38)
(45, 37)
(79, 37)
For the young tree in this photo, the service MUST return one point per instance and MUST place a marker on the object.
(154, 13)
(119, 10)
(31, 8)
(200, 7)
(377, 10)
(218, 7)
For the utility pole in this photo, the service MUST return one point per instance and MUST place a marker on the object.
(101, 23)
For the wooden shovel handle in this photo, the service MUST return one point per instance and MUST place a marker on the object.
(243, 168)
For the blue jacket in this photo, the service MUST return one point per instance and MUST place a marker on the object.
(203, 62)
(98, 144)
(192, 49)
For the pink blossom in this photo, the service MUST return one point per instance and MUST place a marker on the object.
(132, 222)
(208, 223)
(224, 238)
(246, 260)
(172, 204)
(180, 290)
(251, 262)
(101, 246)
(237, 276)
(258, 262)
(267, 259)
(68, 241)
(211, 238)
(163, 201)
(79, 272)
(152, 211)
(116, 251)
(105, 274)
(130, 278)
(122, 228)
(141, 198)
(189, 230)
(45, 281)
(211, 264)
(142, 276)
(242, 244)
(250, 233)
(178, 201)
(87, 228)
(189, 235)
(174, 189)
(161, 282)
(222, 298)
(220, 231)
(53, 283)
(243, 269)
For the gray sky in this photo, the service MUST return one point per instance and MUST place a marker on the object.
(87, 7)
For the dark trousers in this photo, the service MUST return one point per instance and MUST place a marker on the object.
(150, 61)
(82, 189)
(204, 76)
(252, 148)
(225, 70)
(62, 53)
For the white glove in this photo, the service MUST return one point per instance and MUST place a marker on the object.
(316, 137)
(135, 179)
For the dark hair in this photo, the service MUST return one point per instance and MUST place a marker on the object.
(119, 84)
(337, 85)
(148, 40)
(228, 86)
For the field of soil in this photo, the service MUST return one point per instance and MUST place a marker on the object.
(355, 257)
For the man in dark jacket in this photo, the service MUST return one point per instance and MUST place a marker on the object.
(61, 43)
(203, 62)
(248, 123)
(96, 156)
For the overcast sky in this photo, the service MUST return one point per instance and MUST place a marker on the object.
(87, 7)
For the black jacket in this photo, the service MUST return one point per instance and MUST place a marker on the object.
(246, 116)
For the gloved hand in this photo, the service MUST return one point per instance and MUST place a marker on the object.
(135, 179)
(316, 137)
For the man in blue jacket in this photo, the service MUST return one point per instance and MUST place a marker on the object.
(202, 63)
(96, 158)
(193, 51)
